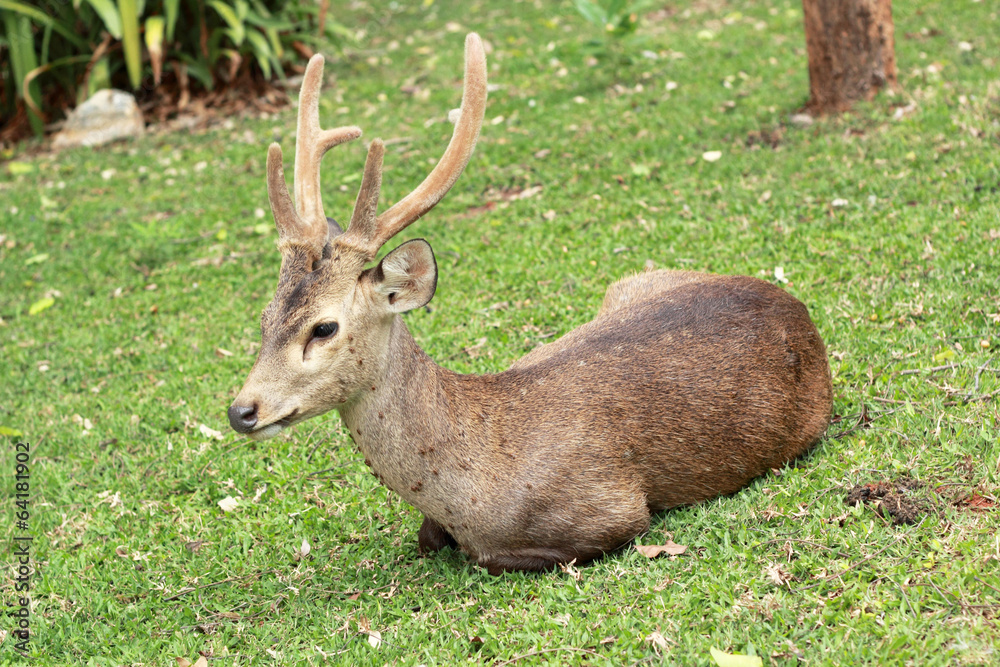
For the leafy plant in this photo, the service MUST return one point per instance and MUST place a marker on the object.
(616, 20)
(61, 51)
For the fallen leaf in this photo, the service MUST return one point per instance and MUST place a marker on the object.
(37, 259)
(375, 638)
(40, 305)
(209, 432)
(529, 192)
(12, 432)
(182, 662)
(658, 639)
(731, 660)
(570, 570)
(777, 576)
(228, 504)
(711, 156)
(222, 352)
(654, 550)
(303, 551)
(18, 168)
(944, 355)
(473, 350)
(201, 662)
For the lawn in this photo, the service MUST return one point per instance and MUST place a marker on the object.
(157, 257)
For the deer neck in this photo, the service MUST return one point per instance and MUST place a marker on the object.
(417, 423)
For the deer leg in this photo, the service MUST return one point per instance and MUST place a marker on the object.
(433, 537)
(536, 560)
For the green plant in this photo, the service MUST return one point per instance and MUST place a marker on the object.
(616, 20)
(63, 50)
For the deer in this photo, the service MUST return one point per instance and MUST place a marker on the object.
(684, 387)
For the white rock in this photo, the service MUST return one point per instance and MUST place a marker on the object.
(108, 115)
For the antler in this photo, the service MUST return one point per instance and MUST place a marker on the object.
(304, 225)
(367, 233)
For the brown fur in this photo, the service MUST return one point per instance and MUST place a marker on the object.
(684, 387)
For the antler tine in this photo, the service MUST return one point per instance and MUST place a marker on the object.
(456, 156)
(363, 221)
(311, 144)
(292, 230)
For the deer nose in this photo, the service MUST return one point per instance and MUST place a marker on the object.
(243, 417)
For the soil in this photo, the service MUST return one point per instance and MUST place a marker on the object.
(892, 500)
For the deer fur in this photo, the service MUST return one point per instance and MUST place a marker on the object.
(685, 385)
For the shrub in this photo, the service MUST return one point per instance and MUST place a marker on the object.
(61, 51)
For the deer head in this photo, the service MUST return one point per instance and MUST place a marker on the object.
(324, 335)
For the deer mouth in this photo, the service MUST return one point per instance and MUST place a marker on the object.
(274, 428)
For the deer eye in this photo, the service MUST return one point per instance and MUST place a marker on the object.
(325, 330)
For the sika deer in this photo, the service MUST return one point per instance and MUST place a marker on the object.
(685, 386)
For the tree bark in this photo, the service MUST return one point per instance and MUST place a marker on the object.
(851, 47)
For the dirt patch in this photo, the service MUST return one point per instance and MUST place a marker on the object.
(766, 137)
(977, 503)
(892, 500)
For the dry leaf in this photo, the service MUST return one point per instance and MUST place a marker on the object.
(777, 576)
(730, 660)
(711, 156)
(654, 550)
(473, 350)
(228, 504)
(202, 661)
(303, 550)
(375, 638)
(209, 432)
(570, 570)
(529, 192)
(182, 662)
(222, 352)
(658, 639)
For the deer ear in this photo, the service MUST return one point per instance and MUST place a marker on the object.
(407, 276)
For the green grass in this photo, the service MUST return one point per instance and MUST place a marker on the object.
(156, 268)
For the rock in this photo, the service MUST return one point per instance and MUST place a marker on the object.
(801, 120)
(108, 115)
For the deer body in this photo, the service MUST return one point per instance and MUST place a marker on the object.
(685, 386)
(651, 405)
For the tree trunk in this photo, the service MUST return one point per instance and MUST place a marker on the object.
(851, 47)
